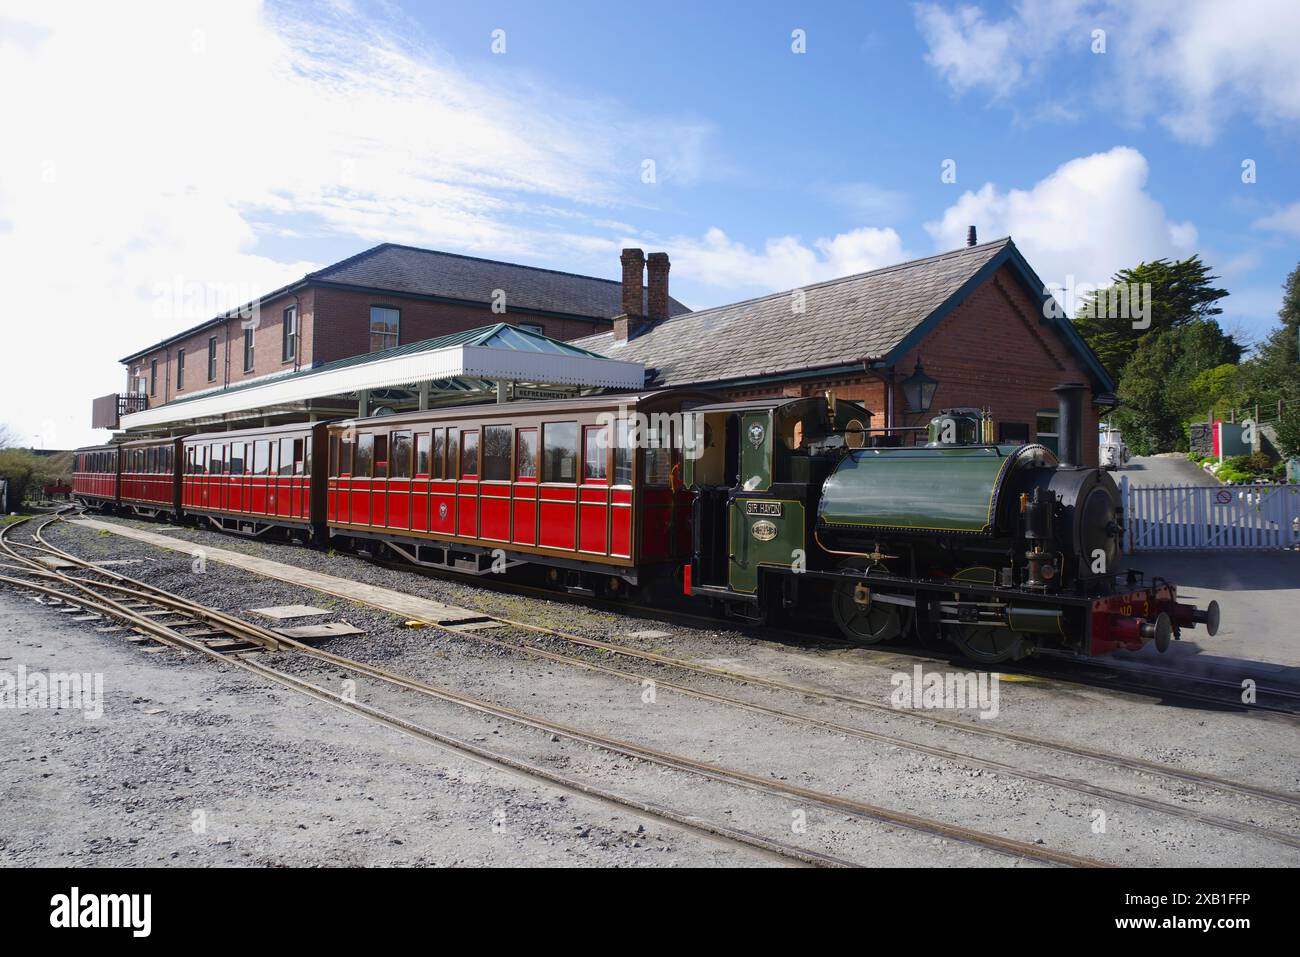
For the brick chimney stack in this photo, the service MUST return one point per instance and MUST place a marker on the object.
(657, 298)
(633, 318)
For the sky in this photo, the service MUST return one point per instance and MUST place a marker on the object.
(163, 161)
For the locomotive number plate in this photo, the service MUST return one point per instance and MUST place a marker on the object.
(763, 508)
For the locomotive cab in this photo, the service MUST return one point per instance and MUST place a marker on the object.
(754, 465)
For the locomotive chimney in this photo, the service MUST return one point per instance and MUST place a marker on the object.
(970, 235)
(1069, 398)
(657, 266)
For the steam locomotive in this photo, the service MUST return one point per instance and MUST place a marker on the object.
(756, 506)
(1003, 550)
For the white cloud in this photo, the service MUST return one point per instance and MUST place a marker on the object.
(1285, 220)
(783, 263)
(867, 201)
(1087, 219)
(177, 144)
(1193, 64)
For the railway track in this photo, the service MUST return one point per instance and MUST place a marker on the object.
(1067, 783)
(1113, 676)
(1073, 784)
(78, 591)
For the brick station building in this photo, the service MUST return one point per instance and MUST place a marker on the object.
(973, 319)
(386, 296)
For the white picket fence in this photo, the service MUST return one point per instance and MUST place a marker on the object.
(1228, 517)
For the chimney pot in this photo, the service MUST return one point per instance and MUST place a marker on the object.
(970, 236)
(657, 299)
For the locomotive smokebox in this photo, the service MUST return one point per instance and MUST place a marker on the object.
(1069, 398)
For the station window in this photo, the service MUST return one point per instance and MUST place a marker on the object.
(212, 358)
(1047, 432)
(622, 454)
(1013, 433)
(560, 452)
(289, 334)
(365, 457)
(385, 327)
(180, 369)
(401, 454)
(595, 461)
(287, 457)
(422, 454)
(536, 327)
(248, 349)
(526, 454)
(497, 440)
(153, 376)
(469, 454)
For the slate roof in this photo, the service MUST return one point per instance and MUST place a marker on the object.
(428, 272)
(847, 320)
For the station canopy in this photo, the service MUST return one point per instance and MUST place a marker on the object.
(498, 362)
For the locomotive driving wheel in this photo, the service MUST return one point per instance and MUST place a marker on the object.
(986, 644)
(861, 618)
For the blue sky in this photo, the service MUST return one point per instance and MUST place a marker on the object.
(231, 147)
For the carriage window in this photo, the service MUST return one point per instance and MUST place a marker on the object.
(401, 446)
(497, 440)
(381, 456)
(437, 465)
(595, 462)
(302, 456)
(560, 452)
(235, 464)
(287, 458)
(345, 456)
(365, 460)
(334, 456)
(422, 455)
(453, 460)
(526, 454)
(216, 459)
(622, 454)
(658, 466)
(469, 454)
(261, 456)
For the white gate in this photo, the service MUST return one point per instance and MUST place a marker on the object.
(1159, 517)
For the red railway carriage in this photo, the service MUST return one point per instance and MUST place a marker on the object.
(150, 477)
(255, 480)
(95, 475)
(565, 483)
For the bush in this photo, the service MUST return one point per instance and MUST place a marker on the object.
(26, 472)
